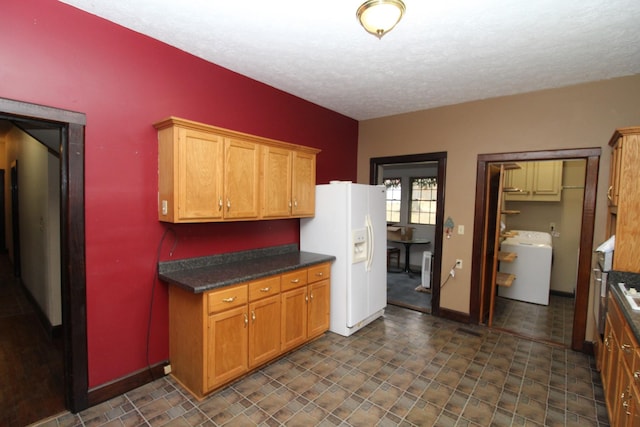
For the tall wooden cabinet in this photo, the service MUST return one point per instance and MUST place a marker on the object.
(624, 198)
(208, 174)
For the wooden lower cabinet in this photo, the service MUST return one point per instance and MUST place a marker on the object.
(227, 338)
(305, 307)
(264, 330)
(294, 318)
(218, 336)
(318, 310)
(620, 369)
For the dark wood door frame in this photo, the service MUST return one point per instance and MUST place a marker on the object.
(440, 158)
(72, 234)
(592, 157)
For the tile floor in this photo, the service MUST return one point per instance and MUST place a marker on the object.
(553, 322)
(407, 369)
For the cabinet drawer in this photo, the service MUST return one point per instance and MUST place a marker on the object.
(264, 288)
(294, 279)
(226, 298)
(319, 272)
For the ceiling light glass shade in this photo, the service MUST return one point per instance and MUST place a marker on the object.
(379, 17)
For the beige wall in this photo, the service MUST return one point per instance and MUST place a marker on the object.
(581, 116)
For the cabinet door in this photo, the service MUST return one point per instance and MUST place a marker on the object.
(627, 218)
(518, 179)
(614, 174)
(199, 169)
(227, 348)
(276, 182)
(294, 318)
(318, 311)
(264, 330)
(304, 184)
(547, 181)
(635, 408)
(241, 179)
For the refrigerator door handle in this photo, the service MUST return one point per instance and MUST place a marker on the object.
(371, 243)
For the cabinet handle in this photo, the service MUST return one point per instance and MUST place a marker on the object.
(253, 315)
(609, 192)
(230, 299)
(306, 298)
(311, 296)
(220, 204)
(289, 203)
(267, 289)
(295, 281)
(636, 375)
(320, 274)
(295, 203)
(626, 348)
(228, 205)
(246, 320)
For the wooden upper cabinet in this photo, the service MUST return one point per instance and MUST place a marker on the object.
(190, 175)
(210, 174)
(241, 179)
(304, 184)
(289, 183)
(276, 194)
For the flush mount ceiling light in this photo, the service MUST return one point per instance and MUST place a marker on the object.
(378, 17)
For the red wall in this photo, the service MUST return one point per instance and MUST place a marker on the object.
(55, 55)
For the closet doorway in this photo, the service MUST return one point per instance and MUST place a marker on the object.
(484, 216)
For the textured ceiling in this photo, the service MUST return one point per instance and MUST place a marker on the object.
(441, 53)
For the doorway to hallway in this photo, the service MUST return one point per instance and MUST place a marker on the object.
(69, 127)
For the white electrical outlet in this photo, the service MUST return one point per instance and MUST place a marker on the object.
(165, 207)
(167, 369)
(459, 264)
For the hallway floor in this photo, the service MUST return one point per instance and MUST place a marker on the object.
(31, 370)
(407, 368)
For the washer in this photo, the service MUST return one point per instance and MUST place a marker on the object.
(532, 267)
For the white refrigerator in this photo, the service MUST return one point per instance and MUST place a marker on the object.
(350, 223)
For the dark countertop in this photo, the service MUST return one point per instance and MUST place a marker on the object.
(630, 280)
(202, 274)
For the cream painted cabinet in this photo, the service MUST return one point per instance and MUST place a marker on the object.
(535, 182)
(208, 174)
